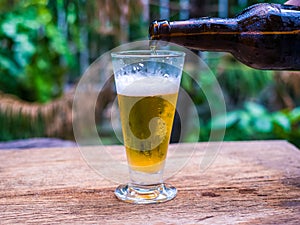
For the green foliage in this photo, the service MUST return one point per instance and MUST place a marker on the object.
(242, 88)
(32, 51)
(240, 82)
(46, 43)
(255, 122)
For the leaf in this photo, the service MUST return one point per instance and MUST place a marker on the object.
(9, 65)
(245, 120)
(282, 121)
(263, 124)
(255, 109)
(44, 16)
(186, 82)
(218, 122)
(34, 2)
(24, 49)
(226, 120)
(295, 115)
(9, 28)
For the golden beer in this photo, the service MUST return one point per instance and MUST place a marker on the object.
(147, 85)
(147, 121)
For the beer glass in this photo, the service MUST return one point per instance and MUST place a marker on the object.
(147, 85)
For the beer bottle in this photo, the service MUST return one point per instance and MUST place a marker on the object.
(263, 36)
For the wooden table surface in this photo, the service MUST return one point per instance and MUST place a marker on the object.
(248, 183)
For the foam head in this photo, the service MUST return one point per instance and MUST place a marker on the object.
(133, 85)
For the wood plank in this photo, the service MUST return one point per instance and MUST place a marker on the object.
(248, 183)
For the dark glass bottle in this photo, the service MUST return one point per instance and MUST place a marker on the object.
(263, 36)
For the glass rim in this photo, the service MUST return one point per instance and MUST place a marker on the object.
(147, 54)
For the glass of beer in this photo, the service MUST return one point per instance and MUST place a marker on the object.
(147, 84)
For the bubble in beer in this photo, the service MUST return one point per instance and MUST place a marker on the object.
(147, 108)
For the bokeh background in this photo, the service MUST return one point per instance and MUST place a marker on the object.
(45, 47)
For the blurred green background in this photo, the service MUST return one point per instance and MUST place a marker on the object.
(47, 45)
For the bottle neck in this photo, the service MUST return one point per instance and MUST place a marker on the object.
(213, 34)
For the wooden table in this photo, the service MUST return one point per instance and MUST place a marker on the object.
(248, 183)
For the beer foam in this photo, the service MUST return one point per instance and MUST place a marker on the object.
(133, 85)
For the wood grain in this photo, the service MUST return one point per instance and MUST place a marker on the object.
(248, 183)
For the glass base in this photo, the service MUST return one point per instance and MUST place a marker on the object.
(145, 194)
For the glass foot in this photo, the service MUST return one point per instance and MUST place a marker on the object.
(145, 194)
